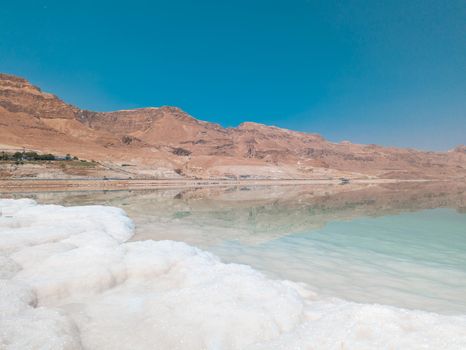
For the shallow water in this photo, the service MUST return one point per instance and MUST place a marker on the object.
(397, 246)
(412, 260)
(337, 263)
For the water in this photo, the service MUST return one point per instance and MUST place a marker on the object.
(396, 245)
(412, 260)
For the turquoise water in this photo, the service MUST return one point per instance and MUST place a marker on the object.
(397, 246)
(413, 260)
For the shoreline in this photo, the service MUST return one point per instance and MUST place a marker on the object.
(49, 185)
(97, 272)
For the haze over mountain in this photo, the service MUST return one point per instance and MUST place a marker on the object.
(168, 142)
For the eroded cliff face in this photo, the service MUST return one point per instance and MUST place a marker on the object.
(167, 142)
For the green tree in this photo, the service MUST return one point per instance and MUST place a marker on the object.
(17, 156)
(31, 155)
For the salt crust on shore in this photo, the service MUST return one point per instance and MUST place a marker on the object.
(68, 280)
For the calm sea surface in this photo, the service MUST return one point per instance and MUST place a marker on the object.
(402, 245)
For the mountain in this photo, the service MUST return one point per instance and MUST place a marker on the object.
(167, 142)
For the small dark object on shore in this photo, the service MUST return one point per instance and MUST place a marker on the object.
(344, 181)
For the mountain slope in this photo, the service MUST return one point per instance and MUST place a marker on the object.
(167, 142)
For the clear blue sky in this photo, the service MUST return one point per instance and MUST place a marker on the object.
(387, 72)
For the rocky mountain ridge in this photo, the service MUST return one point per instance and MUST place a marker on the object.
(167, 142)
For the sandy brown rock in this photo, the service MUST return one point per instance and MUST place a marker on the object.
(167, 142)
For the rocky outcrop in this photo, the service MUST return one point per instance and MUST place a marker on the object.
(166, 141)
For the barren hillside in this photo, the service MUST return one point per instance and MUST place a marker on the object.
(167, 142)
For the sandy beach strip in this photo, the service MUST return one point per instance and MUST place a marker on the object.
(33, 185)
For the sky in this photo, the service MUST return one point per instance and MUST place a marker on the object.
(385, 72)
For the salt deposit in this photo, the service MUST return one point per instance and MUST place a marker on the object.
(71, 281)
